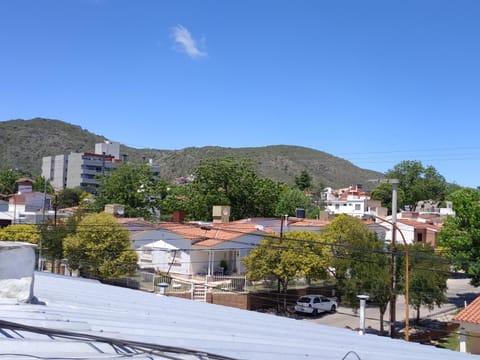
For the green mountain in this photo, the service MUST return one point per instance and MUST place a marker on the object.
(24, 143)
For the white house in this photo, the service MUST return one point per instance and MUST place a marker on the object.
(197, 248)
(26, 205)
(351, 201)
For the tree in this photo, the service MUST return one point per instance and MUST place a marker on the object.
(418, 182)
(41, 184)
(266, 195)
(100, 248)
(228, 181)
(360, 264)
(134, 186)
(69, 197)
(53, 233)
(383, 192)
(8, 181)
(428, 274)
(460, 234)
(20, 232)
(290, 200)
(297, 253)
(304, 181)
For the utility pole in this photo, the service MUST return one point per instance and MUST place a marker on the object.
(393, 297)
(40, 267)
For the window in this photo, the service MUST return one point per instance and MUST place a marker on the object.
(419, 237)
(357, 207)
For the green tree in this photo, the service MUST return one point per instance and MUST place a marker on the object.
(100, 248)
(360, 264)
(41, 184)
(20, 232)
(304, 181)
(266, 195)
(297, 253)
(175, 199)
(418, 182)
(69, 197)
(228, 181)
(383, 192)
(290, 200)
(54, 232)
(428, 274)
(134, 186)
(8, 181)
(460, 234)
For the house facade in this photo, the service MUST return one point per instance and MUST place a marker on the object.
(351, 201)
(25, 206)
(411, 231)
(196, 248)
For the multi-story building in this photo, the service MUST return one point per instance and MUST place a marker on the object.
(81, 170)
(352, 201)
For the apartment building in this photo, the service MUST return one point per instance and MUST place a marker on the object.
(81, 170)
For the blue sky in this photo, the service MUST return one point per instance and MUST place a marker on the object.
(373, 82)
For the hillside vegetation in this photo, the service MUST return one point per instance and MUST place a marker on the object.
(24, 143)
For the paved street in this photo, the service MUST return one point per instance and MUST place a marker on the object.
(459, 291)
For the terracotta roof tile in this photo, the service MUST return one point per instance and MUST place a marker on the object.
(471, 314)
(211, 234)
(417, 224)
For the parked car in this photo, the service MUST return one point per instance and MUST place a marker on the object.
(315, 304)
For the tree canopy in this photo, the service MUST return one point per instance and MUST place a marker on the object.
(360, 264)
(134, 186)
(297, 253)
(304, 181)
(20, 232)
(460, 234)
(100, 247)
(290, 200)
(228, 181)
(428, 274)
(418, 182)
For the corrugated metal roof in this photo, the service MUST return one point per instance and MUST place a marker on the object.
(97, 310)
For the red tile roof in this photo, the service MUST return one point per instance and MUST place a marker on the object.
(419, 225)
(211, 234)
(471, 314)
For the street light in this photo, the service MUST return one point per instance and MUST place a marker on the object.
(407, 311)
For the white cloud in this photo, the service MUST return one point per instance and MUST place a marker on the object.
(186, 42)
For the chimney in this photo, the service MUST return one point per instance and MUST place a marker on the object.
(17, 264)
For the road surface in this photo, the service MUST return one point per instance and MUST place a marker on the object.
(459, 292)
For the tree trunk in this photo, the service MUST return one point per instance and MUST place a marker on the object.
(285, 289)
(417, 320)
(382, 315)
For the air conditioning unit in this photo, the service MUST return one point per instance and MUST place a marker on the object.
(221, 214)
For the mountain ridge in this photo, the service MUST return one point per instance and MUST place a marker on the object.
(25, 142)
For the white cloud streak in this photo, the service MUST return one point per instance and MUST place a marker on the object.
(186, 43)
